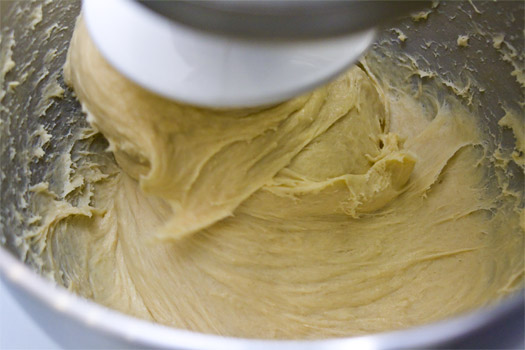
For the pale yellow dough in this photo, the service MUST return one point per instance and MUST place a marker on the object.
(309, 219)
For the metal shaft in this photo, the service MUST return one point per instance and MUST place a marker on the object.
(299, 19)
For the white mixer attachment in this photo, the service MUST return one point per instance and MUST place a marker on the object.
(234, 53)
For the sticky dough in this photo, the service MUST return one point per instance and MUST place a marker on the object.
(338, 213)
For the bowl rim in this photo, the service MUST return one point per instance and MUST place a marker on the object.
(126, 328)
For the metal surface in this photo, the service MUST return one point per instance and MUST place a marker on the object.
(280, 20)
(76, 322)
(16, 324)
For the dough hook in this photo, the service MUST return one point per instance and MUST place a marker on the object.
(235, 53)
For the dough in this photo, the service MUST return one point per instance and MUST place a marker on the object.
(341, 212)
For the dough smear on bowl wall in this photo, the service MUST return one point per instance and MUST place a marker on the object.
(350, 210)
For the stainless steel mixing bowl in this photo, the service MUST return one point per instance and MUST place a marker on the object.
(78, 323)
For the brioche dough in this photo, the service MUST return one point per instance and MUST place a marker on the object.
(340, 212)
